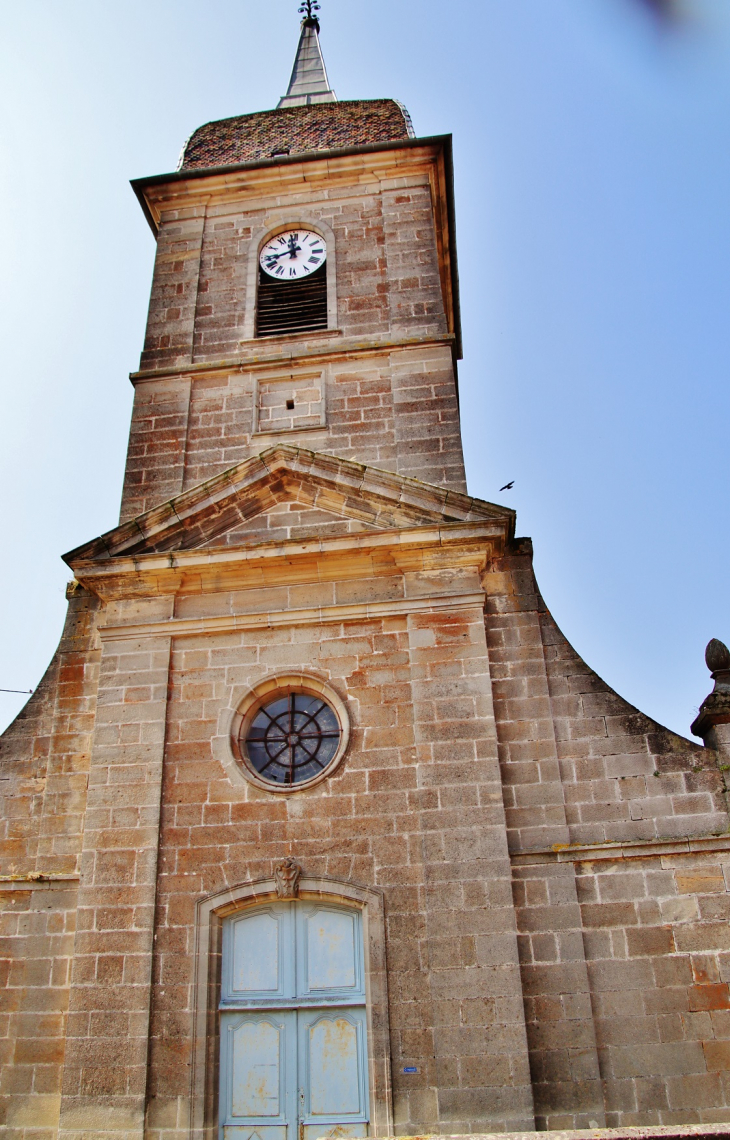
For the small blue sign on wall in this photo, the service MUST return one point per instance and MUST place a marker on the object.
(410, 1069)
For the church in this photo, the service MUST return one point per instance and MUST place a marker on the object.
(316, 825)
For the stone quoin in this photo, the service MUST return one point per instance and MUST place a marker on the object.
(317, 825)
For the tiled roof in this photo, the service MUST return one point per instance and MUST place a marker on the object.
(296, 130)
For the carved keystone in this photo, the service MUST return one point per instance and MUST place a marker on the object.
(287, 875)
(713, 722)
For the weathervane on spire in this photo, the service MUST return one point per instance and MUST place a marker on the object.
(308, 9)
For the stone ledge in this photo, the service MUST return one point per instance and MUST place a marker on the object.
(344, 347)
(641, 849)
(36, 880)
(647, 1132)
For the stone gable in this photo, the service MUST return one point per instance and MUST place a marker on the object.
(279, 477)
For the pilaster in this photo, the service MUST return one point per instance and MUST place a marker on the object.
(480, 1060)
(105, 1070)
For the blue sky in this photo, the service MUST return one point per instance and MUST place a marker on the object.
(593, 212)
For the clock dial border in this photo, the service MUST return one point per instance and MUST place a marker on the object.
(275, 257)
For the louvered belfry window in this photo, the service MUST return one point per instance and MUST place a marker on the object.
(291, 306)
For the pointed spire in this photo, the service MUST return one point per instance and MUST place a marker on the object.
(309, 82)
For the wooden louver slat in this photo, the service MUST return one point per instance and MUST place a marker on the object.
(291, 306)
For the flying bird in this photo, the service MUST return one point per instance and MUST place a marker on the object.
(508, 486)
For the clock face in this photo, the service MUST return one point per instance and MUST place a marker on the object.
(293, 254)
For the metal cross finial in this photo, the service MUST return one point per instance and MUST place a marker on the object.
(309, 9)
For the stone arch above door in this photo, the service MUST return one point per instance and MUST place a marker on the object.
(211, 912)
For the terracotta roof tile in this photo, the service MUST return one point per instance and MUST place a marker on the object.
(323, 126)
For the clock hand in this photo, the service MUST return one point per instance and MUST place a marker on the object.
(271, 257)
(291, 251)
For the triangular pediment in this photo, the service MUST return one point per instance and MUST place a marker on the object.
(287, 487)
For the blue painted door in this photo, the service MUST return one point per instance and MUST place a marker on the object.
(293, 1025)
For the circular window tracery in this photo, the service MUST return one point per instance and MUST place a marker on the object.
(291, 739)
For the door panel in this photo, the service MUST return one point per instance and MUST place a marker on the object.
(333, 1076)
(257, 1076)
(330, 950)
(332, 1065)
(295, 1068)
(248, 1132)
(334, 1131)
(258, 955)
(258, 1070)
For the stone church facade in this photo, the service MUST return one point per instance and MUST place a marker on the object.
(467, 888)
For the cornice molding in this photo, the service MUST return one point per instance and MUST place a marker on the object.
(298, 356)
(339, 557)
(315, 615)
(288, 171)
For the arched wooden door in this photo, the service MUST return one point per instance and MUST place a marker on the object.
(293, 1027)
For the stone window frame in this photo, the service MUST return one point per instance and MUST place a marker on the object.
(276, 223)
(210, 914)
(235, 764)
(290, 377)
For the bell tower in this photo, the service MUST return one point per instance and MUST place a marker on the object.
(356, 354)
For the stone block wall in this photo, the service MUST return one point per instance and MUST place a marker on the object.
(656, 930)
(156, 453)
(384, 256)
(415, 811)
(620, 892)
(547, 952)
(44, 757)
(579, 763)
(175, 287)
(392, 410)
(37, 923)
(653, 932)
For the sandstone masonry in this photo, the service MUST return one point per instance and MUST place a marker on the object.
(543, 871)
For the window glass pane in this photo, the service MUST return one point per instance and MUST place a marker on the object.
(292, 738)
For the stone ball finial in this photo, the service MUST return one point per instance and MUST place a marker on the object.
(713, 722)
(717, 656)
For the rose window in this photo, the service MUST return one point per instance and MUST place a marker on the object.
(292, 738)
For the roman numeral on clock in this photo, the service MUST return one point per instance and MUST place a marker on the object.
(293, 254)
